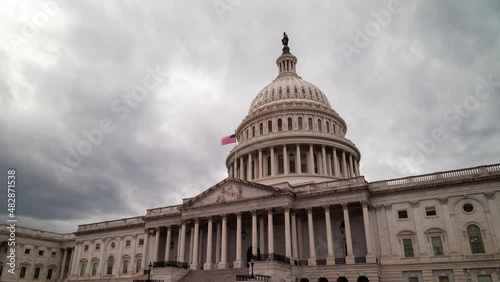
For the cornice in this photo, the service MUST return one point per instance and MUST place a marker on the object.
(110, 228)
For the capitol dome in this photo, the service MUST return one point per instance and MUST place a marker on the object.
(292, 134)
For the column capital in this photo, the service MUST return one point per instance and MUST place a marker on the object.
(443, 200)
(269, 210)
(326, 207)
(197, 220)
(344, 205)
(238, 213)
(309, 209)
(223, 215)
(490, 195)
(286, 207)
(414, 204)
(387, 207)
(254, 212)
(184, 221)
(209, 218)
(378, 207)
(365, 204)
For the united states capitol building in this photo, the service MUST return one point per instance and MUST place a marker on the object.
(296, 206)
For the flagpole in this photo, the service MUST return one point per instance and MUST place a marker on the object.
(235, 150)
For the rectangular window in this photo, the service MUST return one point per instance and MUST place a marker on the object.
(37, 273)
(22, 274)
(413, 279)
(141, 242)
(97, 246)
(408, 248)
(138, 265)
(85, 248)
(1, 270)
(27, 251)
(402, 214)
(40, 253)
(484, 278)
(430, 211)
(444, 279)
(125, 266)
(49, 273)
(127, 243)
(437, 245)
(94, 269)
(82, 269)
(53, 254)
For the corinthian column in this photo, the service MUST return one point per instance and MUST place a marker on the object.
(350, 257)
(196, 239)
(208, 264)
(238, 263)
(288, 249)
(312, 246)
(223, 260)
(344, 165)
(330, 260)
(270, 231)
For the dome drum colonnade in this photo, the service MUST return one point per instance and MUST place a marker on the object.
(263, 238)
(292, 134)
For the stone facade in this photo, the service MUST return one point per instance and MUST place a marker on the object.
(296, 205)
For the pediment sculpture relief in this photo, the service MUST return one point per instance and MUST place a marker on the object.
(228, 194)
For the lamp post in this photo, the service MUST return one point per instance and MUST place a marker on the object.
(150, 266)
(252, 261)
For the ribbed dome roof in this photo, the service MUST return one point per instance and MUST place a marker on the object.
(288, 86)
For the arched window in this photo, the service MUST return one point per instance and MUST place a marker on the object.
(270, 126)
(281, 167)
(475, 239)
(315, 163)
(111, 262)
(320, 128)
(291, 162)
(289, 123)
(363, 279)
(322, 279)
(303, 162)
(334, 131)
(253, 131)
(261, 128)
(280, 125)
(304, 280)
(248, 135)
(310, 123)
(342, 279)
(300, 123)
(327, 127)
(268, 165)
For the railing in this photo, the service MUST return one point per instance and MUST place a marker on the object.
(461, 173)
(360, 260)
(320, 261)
(303, 262)
(272, 257)
(254, 278)
(339, 260)
(170, 263)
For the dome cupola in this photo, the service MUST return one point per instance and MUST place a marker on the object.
(292, 134)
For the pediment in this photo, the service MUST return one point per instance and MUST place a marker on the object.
(232, 190)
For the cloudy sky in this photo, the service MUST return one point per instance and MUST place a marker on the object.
(111, 107)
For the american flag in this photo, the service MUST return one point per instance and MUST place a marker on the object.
(228, 139)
